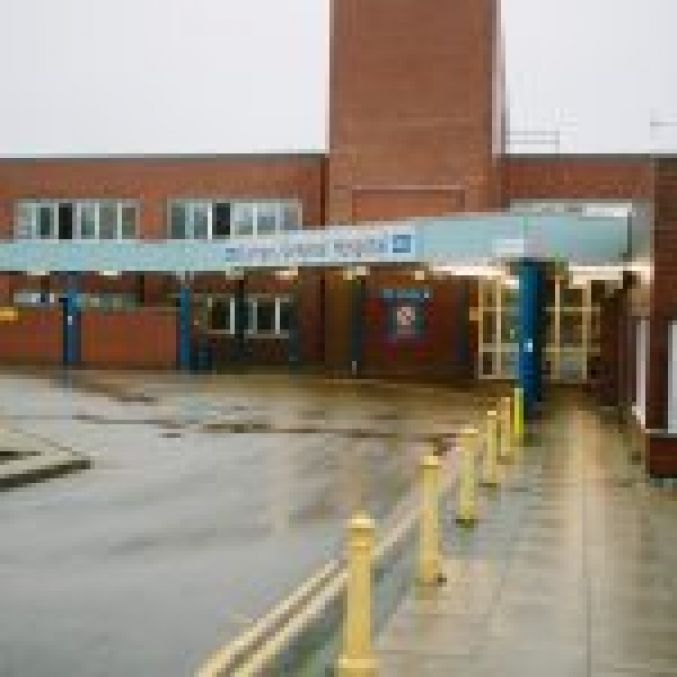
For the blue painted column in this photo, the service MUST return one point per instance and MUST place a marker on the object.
(44, 290)
(71, 322)
(294, 342)
(240, 320)
(530, 344)
(358, 290)
(184, 325)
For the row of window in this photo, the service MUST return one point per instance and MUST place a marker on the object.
(101, 301)
(200, 220)
(82, 220)
(264, 315)
(188, 219)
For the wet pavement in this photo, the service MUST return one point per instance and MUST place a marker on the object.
(209, 499)
(571, 572)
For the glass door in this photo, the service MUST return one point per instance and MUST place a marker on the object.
(572, 328)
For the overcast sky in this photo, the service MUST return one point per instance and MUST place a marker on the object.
(225, 76)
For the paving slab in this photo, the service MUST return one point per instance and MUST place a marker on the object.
(573, 576)
(26, 459)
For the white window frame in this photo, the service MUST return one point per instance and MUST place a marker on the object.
(642, 346)
(189, 205)
(231, 313)
(672, 376)
(278, 299)
(34, 206)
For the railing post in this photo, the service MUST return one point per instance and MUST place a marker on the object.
(506, 429)
(518, 415)
(430, 559)
(467, 500)
(357, 659)
(490, 465)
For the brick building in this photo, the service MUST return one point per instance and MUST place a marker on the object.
(416, 131)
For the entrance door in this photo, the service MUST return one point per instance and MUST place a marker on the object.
(572, 329)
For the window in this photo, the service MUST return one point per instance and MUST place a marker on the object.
(25, 221)
(641, 359)
(265, 316)
(207, 220)
(76, 220)
(66, 221)
(243, 219)
(200, 217)
(46, 222)
(221, 220)
(177, 226)
(266, 219)
(87, 217)
(284, 320)
(108, 221)
(291, 216)
(128, 221)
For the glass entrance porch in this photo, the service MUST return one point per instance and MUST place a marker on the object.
(572, 332)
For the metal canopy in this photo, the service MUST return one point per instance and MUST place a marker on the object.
(462, 240)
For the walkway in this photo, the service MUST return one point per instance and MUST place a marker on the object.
(572, 571)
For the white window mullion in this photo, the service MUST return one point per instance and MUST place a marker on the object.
(210, 220)
(279, 215)
(118, 221)
(255, 219)
(232, 315)
(77, 219)
(97, 220)
(55, 221)
(278, 315)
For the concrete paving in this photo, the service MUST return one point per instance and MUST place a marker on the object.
(209, 499)
(26, 458)
(572, 570)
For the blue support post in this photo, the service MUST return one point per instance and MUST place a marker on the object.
(184, 325)
(71, 322)
(530, 344)
(240, 321)
(357, 325)
(294, 342)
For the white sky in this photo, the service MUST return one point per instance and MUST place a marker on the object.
(227, 76)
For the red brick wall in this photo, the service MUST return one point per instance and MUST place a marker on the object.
(36, 338)
(661, 455)
(390, 205)
(577, 178)
(156, 180)
(141, 338)
(663, 299)
(438, 352)
(412, 103)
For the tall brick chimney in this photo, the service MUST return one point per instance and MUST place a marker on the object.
(415, 108)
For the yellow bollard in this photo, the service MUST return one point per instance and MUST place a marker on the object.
(506, 430)
(467, 500)
(430, 559)
(357, 659)
(490, 465)
(518, 415)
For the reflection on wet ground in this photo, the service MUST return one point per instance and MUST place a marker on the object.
(574, 575)
(209, 499)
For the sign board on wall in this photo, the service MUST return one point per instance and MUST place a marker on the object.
(335, 246)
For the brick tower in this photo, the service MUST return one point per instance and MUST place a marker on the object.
(415, 108)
